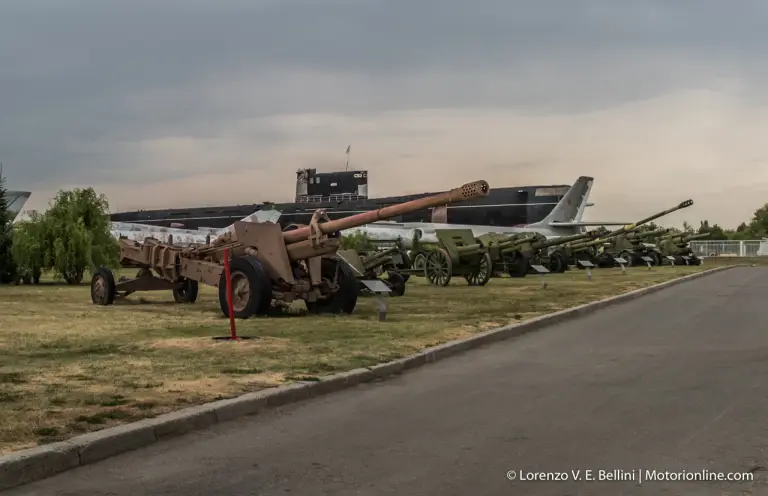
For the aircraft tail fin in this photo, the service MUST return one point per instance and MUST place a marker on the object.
(570, 208)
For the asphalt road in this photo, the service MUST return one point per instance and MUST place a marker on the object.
(677, 380)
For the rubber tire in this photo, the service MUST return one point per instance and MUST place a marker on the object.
(109, 283)
(657, 260)
(396, 282)
(519, 267)
(345, 299)
(259, 282)
(694, 260)
(186, 291)
(557, 262)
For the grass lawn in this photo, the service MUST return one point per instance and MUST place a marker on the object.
(68, 366)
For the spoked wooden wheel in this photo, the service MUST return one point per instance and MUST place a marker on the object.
(419, 262)
(438, 268)
(482, 273)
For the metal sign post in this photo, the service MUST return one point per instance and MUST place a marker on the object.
(671, 260)
(541, 270)
(379, 289)
(648, 260)
(623, 264)
(587, 265)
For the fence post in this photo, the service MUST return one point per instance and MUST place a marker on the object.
(742, 249)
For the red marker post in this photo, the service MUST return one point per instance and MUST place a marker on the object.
(228, 275)
(230, 304)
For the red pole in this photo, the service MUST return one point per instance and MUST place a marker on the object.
(228, 274)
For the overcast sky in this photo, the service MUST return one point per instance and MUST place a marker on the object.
(161, 103)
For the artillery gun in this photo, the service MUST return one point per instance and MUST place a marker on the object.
(677, 245)
(266, 263)
(514, 254)
(594, 251)
(373, 264)
(456, 253)
(632, 247)
(506, 251)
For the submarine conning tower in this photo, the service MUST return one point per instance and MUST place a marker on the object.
(314, 187)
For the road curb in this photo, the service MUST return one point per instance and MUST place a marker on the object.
(45, 461)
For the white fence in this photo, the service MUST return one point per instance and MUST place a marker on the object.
(747, 248)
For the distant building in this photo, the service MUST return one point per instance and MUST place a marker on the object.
(16, 201)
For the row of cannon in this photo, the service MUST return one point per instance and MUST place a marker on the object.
(449, 253)
(258, 264)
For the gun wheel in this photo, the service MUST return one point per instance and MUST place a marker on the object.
(419, 262)
(482, 273)
(344, 299)
(657, 260)
(251, 288)
(557, 262)
(103, 290)
(438, 268)
(396, 283)
(186, 291)
(517, 265)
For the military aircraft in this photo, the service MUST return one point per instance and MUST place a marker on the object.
(563, 220)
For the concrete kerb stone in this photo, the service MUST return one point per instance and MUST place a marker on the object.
(47, 460)
(37, 463)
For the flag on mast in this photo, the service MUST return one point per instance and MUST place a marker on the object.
(349, 148)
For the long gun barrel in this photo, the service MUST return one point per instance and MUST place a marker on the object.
(560, 240)
(646, 234)
(466, 192)
(632, 227)
(580, 245)
(685, 237)
(504, 242)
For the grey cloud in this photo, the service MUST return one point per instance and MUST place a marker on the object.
(107, 92)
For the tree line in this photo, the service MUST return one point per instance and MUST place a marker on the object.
(69, 239)
(73, 236)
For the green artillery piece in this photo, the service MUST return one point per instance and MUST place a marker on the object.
(514, 254)
(506, 251)
(457, 253)
(677, 245)
(632, 247)
(584, 250)
(373, 264)
(595, 251)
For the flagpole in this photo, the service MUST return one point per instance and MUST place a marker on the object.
(349, 148)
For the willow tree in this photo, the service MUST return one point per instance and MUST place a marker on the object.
(29, 247)
(77, 234)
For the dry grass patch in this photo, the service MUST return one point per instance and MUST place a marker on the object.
(68, 366)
